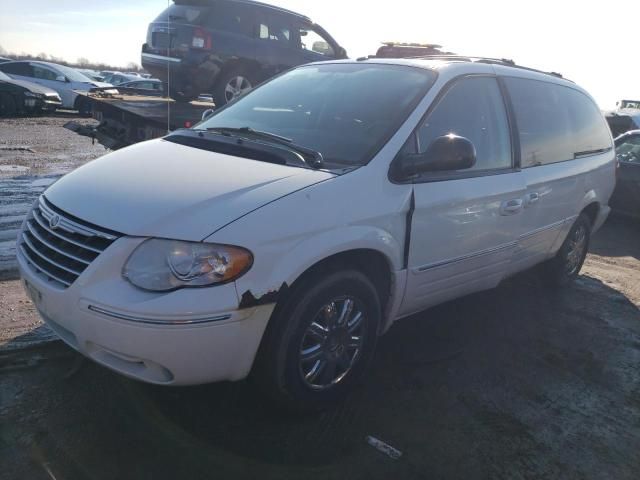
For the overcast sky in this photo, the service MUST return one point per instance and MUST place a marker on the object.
(593, 43)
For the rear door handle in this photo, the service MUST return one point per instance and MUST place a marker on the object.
(511, 207)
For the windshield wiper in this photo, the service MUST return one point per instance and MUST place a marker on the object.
(311, 157)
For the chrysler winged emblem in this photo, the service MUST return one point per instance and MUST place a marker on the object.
(54, 221)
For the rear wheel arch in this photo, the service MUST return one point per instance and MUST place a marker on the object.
(592, 210)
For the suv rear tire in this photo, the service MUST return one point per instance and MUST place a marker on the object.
(320, 342)
(565, 266)
(231, 85)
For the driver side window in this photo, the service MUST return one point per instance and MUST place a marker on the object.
(472, 108)
(44, 73)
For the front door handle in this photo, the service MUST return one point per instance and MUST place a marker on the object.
(511, 207)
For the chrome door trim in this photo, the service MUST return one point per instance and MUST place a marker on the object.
(548, 227)
(443, 263)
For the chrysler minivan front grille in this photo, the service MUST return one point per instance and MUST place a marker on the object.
(58, 246)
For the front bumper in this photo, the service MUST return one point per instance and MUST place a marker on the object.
(186, 337)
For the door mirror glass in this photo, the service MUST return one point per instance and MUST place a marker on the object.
(446, 153)
(61, 78)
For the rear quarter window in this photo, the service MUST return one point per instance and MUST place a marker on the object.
(556, 123)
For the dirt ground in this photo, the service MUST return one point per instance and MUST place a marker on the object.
(518, 382)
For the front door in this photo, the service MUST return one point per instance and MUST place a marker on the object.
(56, 81)
(276, 44)
(466, 223)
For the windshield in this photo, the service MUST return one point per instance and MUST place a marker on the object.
(71, 74)
(347, 112)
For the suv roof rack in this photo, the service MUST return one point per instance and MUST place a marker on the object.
(493, 61)
(415, 45)
(274, 7)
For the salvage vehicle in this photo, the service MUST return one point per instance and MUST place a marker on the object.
(17, 96)
(622, 104)
(626, 196)
(92, 74)
(226, 47)
(409, 50)
(148, 87)
(251, 243)
(64, 80)
(119, 78)
(623, 120)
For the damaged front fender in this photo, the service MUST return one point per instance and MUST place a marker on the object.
(249, 300)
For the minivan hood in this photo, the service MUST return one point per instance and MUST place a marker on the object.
(162, 189)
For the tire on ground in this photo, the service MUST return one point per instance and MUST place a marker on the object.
(277, 369)
(565, 266)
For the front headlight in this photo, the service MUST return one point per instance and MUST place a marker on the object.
(165, 265)
(33, 95)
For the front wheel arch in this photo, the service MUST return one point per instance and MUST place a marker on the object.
(372, 263)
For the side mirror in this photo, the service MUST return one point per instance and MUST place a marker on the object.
(342, 53)
(447, 153)
(207, 113)
(61, 78)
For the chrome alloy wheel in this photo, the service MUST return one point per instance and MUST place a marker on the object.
(332, 343)
(576, 251)
(236, 87)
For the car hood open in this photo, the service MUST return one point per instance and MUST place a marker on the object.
(162, 189)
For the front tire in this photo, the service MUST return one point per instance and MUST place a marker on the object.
(565, 267)
(320, 342)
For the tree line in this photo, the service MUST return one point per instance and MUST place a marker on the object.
(82, 62)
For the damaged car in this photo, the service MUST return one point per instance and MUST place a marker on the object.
(69, 83)
(227, 47)
(18, 97)
(282, 235)
(626, 197)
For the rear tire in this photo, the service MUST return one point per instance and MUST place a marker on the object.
(320, 342)
(565, 267)
(8, 107)
(232, 84)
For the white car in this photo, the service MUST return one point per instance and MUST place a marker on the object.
(287, 231)
(64, 80)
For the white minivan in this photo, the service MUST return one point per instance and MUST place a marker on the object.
(282, 235)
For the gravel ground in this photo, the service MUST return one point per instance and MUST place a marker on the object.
(518, 382)
(34, 153)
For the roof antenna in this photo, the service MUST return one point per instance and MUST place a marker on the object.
(168, 69)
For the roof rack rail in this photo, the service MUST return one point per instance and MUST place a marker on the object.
(493, 61)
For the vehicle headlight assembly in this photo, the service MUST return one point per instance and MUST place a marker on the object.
(33, 95)
(165, 265)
